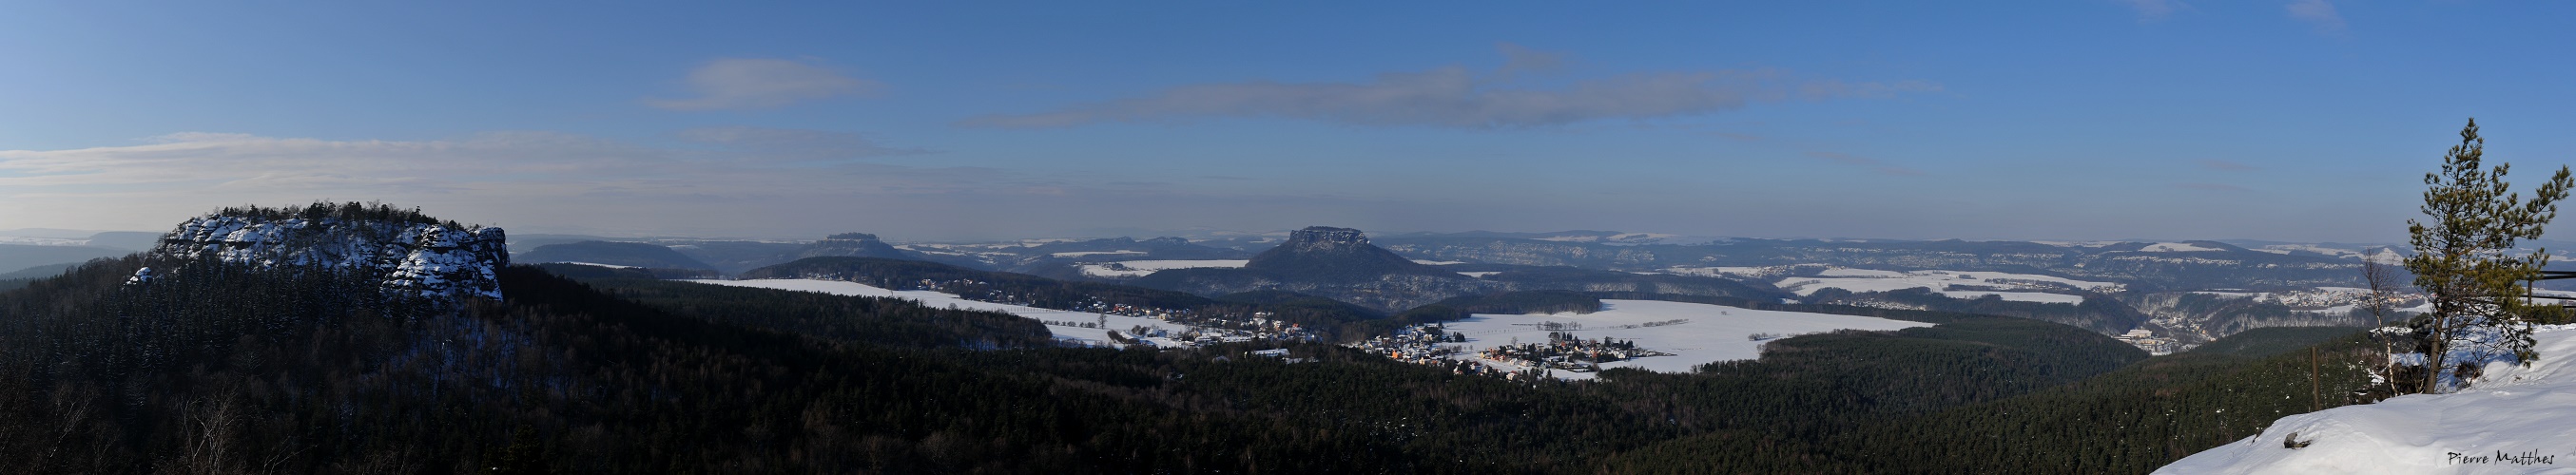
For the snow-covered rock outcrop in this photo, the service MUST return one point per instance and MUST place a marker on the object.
(2512, 419)
(407, 256)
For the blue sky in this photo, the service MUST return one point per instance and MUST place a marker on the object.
(2306, 120)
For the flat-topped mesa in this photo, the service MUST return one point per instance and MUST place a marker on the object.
(406, 253)
(1322, 253)
(1326, 238)
(851, 245)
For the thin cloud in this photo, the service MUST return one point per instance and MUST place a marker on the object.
(1866, 162)
(2226, 165)
(2210, 187)
(2320, 13)
(1456, 97)
(793, 144)
(745, 83)
(534, 162)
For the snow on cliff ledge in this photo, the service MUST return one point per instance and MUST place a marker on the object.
(2514, 419)
(408, 258)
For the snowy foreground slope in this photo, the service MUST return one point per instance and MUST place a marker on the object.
(1079, 335)
(1694, 333)
(2513, 420)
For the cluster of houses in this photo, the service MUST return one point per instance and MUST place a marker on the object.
(1198, 328)
(1565, 351)
(2147, 340)
(1419, 344)
(2328, 297)
(1434, 345)
(2319, 298)
(1210, 331)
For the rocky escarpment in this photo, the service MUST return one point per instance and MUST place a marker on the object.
(1323, 253)
(405, 253)
(851, 245)
(1336, 263)
(1341, 264)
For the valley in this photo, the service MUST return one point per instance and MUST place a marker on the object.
(1319, 338)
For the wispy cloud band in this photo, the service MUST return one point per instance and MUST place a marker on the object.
(1457, 97)
(752, 83)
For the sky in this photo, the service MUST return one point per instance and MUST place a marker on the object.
(2302, 120)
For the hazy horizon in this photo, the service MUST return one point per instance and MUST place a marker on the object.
(2304, 121)
(1208, 234)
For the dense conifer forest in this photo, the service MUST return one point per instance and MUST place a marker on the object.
(224, 368)
(1326, 316)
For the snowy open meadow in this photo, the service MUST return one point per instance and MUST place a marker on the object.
(1141, 268)
(1954, 284)
(1074, 334)
(1704, 333)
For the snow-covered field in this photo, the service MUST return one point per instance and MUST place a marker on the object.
(2077, 243)
(1094, 253)
(1731, 272)
(41, 241)
(2513, 420)
(1940, 281)
(592, 264)
(1141, 268)
(2287, 248)
(1085, 336)
(1710, 332)
(1614, 238)
(2177, 247)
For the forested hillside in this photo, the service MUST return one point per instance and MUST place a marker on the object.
(2128, 421)
(234, 370)
(1325, 316)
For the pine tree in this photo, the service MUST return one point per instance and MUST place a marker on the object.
(2464, 258)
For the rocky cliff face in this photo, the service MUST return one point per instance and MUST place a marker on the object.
(1336, 263)
(851, 245)
(406, 256)
(1329, 254)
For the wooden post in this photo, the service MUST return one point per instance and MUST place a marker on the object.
(2314, 393)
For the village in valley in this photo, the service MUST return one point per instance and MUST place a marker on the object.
(1435, 345)
(1196, 328)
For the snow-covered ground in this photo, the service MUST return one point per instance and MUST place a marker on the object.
(1141, 268)
(1732, 272)
(1620, 237)
(2287, 248)
(41, 241)
(2077, 243)
(1708, 333)
(2031, 288)
(2512, 420)
(2176, 247)
(592, 264)
(1084, 336)
(1094, 253)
